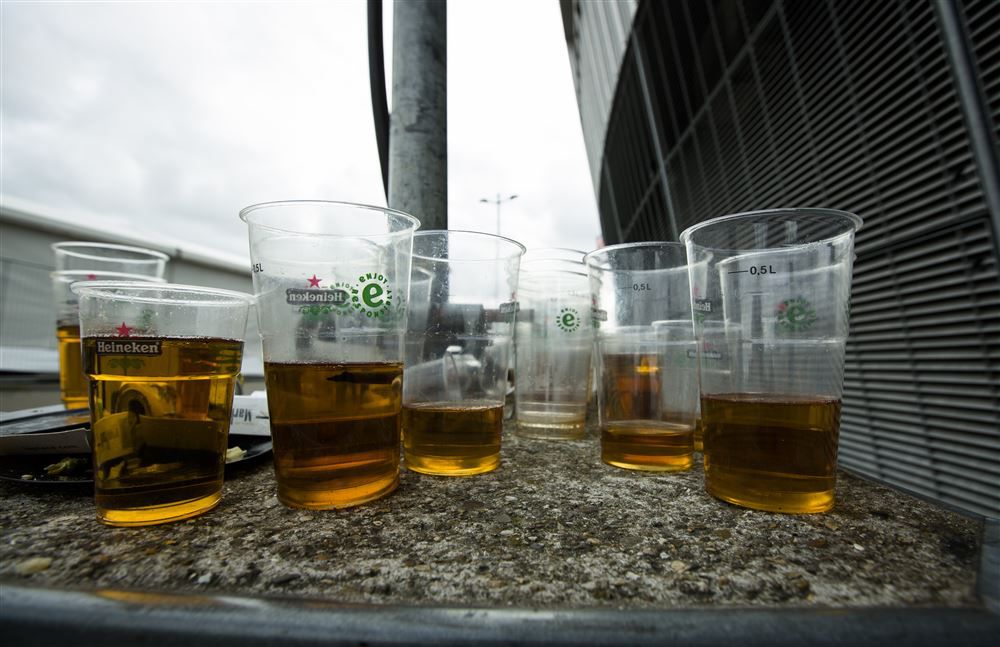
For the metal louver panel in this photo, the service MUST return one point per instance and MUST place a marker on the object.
(851, 105)
(597, 37)
(921, 403)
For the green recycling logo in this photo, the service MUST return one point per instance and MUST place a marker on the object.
(795, 315)
(568, 320)
(371, 295)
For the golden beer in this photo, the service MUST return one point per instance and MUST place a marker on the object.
(160, 412)
(636, 433)
(73, 384)
(771, 452)
(335, 430)
(699, 435)
(452, 439)
(647, 446)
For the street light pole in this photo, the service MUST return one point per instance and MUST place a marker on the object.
(498, 202)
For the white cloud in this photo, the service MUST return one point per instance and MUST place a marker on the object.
(170, 117)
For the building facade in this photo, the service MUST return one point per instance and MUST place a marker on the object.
(693, 109)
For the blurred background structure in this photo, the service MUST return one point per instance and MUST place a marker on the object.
(27, 306)
(692, 109)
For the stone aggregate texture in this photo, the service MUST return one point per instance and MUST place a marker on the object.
(553, 527)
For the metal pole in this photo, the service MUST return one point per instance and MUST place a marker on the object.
(418, 123)
(499, 200)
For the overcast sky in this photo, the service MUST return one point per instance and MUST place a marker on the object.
(166, 118)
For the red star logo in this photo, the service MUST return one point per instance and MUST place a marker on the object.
(91, 277)
(124, 331)
(314, 282)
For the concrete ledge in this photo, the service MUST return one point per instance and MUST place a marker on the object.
(553, 547)
(553, 527)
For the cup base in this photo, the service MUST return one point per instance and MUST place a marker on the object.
(439, 466)
(677, 465)
(784, 502)
(154, 515)
(545, 432)
(339, 498)
(550, 421)
(648, 446)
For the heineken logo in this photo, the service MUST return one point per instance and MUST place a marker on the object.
(299, 296)
(701, 307)
(370, 294)
(568, 320)
(129, 347)
(317, 300)
(795, 315)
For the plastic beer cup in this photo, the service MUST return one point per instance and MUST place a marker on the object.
(163, 361)
(332, 282)
(771, 310)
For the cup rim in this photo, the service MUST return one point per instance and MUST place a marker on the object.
(527, 263)
(552, 272)
(67, 248)
(106, 289)
(65, 275)
(541, 250)
(589, 258)
(854, 219)
(465, 232)
(245, 213)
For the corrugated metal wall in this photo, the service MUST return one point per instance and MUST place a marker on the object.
(597, 32)
(849, 105)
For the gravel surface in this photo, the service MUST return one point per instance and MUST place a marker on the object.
(552, 528)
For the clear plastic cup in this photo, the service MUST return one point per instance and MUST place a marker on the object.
(456, 366)
(646, 401)
(73, 384)
(554, 340)
(163, 361)
(553, 258)
(106, 257)
(553, 254)
(332, 281)
(771, 303)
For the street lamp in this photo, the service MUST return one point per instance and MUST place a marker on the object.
(499, 201)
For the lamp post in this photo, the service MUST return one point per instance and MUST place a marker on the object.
(499, 201)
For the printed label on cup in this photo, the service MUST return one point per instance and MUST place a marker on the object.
(795, 315)
(703, 305)
(147, 347)
(568, 320)
(370, 294)
(302, 296)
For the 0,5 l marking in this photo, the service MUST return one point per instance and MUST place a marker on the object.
(756, 270)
